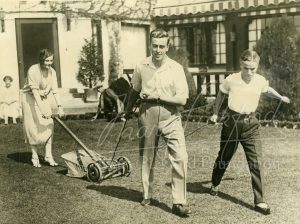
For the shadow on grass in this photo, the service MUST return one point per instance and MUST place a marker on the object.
(126, 194)
(62, 172)
(20, 157)
(204, 188)
(25, 157)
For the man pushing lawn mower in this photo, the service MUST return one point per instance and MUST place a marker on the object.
(161, 84)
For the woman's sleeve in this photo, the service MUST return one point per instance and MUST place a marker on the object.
(32, 78)
(54, 85)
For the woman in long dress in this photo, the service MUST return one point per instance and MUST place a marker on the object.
(38, 125)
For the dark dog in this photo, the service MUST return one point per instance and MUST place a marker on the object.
(113, 99)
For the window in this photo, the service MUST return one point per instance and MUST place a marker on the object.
(257, 27)
(205, 42)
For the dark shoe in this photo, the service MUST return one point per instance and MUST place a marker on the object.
(146, 202)
(179, 210)
(213, 191)
(263, 210)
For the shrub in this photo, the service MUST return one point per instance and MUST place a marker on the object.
(90, 64)
(279, 49)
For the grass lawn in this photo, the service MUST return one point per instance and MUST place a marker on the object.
(47, 195)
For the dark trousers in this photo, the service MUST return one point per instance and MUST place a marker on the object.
(245, 130)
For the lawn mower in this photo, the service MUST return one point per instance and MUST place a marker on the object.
(86, 162)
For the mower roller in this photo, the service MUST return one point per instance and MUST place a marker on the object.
(92, 165)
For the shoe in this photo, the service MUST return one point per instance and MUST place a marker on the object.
(213, 190)
(263, 208)
(146, 202)
(51, 161)
(179, 210)
(36, 162)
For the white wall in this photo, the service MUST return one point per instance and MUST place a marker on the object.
(69, 44)
(105, 51)
(133, 45)
(8, 52)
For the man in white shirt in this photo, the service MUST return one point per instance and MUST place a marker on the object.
(243, 89)
(161, 84)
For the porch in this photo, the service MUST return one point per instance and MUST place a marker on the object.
(207, 83)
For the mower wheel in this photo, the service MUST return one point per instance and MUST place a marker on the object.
(127, 168)
(94, 173)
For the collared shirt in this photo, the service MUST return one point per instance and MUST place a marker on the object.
(242, 97)
(168, 80)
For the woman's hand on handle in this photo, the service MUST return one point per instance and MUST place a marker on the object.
(61, 112)
(46, 115)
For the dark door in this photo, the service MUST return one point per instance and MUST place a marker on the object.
(32, 36)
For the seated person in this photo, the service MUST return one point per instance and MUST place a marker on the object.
(9, 102)
(113, 98)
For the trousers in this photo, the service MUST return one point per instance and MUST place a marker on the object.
(156, 120)
(245, 130)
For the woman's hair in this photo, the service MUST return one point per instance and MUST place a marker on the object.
(159, 33)
(7, 77)
(44, 53)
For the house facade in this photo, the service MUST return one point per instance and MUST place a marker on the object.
(214, 33)
(119, 28)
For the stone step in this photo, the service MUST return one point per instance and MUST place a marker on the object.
(71, 93)
(73, 102)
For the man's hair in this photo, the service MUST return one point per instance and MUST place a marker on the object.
(159, 33)
(250, 56)
(44, 53)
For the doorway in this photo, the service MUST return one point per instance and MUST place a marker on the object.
(32, 36)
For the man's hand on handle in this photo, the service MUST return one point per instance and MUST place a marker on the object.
(213, 119)
(285, 99)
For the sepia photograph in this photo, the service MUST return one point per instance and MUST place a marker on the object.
(149, 111)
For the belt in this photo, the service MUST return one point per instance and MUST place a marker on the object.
(156, 102)
(237, 116)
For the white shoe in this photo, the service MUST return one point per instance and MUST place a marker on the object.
(51, 161)
(36, 162)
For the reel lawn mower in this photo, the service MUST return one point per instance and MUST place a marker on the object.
(96, 168)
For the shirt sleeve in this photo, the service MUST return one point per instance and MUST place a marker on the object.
(265, 85)
(225, 87)
(136, 80)
(180, 82)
